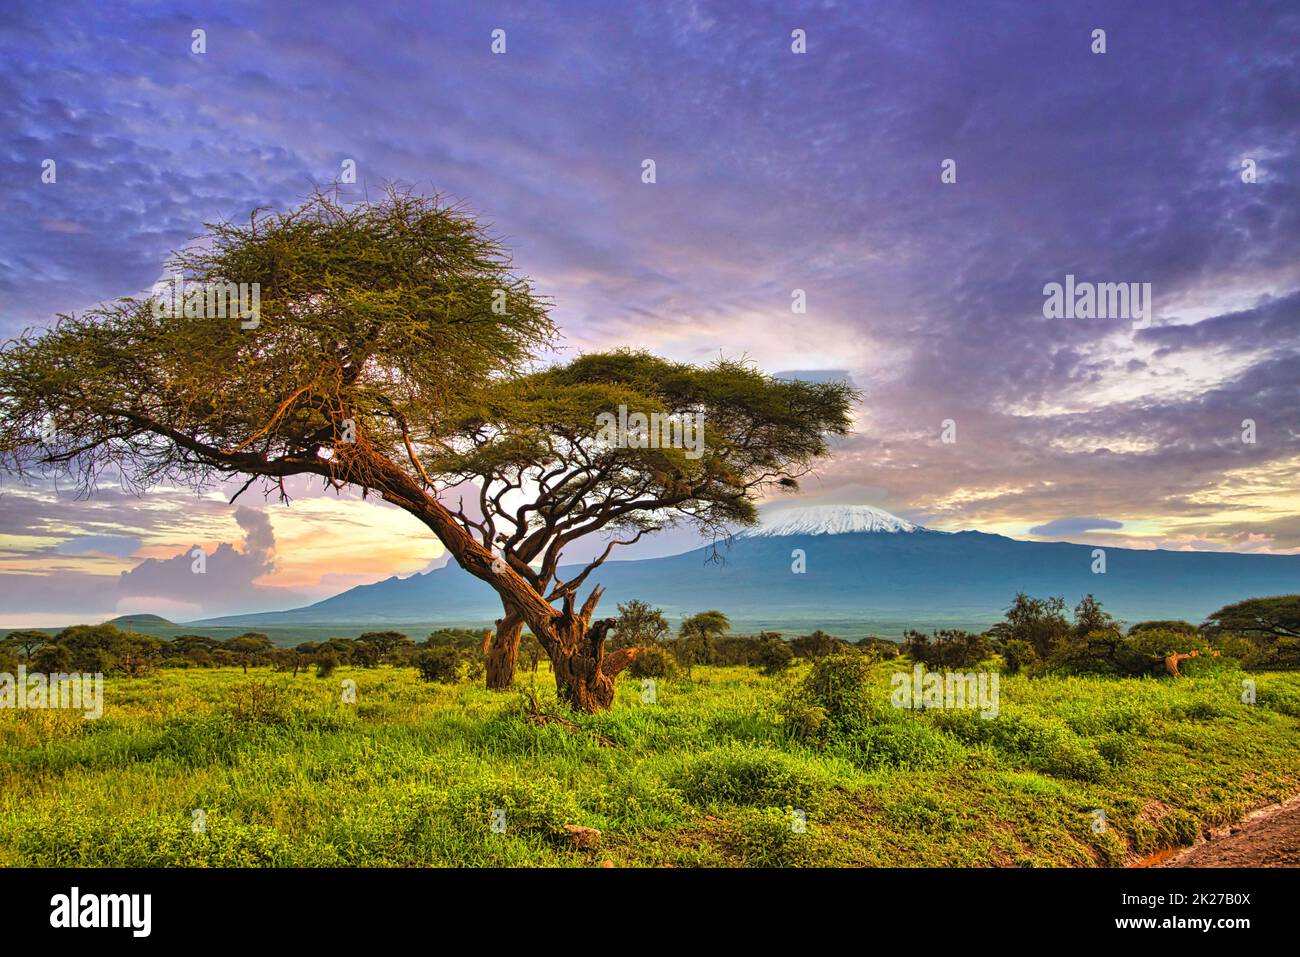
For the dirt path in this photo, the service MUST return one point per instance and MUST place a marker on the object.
(1267, 838)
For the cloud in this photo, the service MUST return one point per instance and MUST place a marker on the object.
(1074, 526)
(225, 580)
(775, 172)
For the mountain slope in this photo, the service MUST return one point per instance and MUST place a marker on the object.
(865, 570)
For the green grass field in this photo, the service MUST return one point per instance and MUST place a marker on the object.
(410, 774)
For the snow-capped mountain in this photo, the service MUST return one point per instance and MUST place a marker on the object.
(846, 569)
(829, 520)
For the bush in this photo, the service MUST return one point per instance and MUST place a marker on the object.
(439, 664)
(1016, 655)
(1183, 627)
(1145, 652)
(839, 685)
(765, 837)
(326, 664)
(1091, 654)
(774, 656)
(904, 744)
(534, 806)
(817, 645)
(654, 661)
(755, 777)
(947, 649)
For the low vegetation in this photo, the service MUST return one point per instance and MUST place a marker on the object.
(720, 750)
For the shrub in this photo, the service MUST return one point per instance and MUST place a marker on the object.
(1280, 700)
(774, 656)
(326, 664)
(1016, 655)
(756, 777)
(1094, 653)
(1145, 652)
(877, 649)
(654, 661)
(533, 806)
(901, 744)
(839, 685)
(439, 664)
(1184, 627)
(765, 837)
(805, 722)
(947, 649)
(817, 645)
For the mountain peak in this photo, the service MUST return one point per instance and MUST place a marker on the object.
(829, 520)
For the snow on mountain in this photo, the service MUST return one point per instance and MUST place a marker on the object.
(829, 520)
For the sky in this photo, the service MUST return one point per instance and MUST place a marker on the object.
(922, 172)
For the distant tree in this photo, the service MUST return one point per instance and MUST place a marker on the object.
(327, 661)
(1277, 617)
(695, 637)
(386, 645)
(774, 655)
(880, 649)
(26, 640)
(99, 648)
(639, 626)
(1089, 617)
(441, 664)
(817, 645)
(249, 648)
(948, 648)
(1041, 622)
(1271, 624)
(1016, 655)
(1186, 627)
(341, 648)
(53, 657)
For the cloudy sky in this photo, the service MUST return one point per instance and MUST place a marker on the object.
(820, 171)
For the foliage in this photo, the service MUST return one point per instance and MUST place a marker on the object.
(774, 655)
(817, 645)
(441, 663)
(639, 625)
(409, 776)
(654, 661)
(1041, 622)
(949, 648)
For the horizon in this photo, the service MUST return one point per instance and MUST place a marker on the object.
(928, 294)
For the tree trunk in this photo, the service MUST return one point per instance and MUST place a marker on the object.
(584, 674)
(503, 652)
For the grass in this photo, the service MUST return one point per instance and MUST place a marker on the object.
(411, 774)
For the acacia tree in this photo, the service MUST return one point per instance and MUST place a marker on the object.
(548, 471)
(391, 354)
(639, 625)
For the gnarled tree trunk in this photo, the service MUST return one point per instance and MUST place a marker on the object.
(503, 651)
(584, 673)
